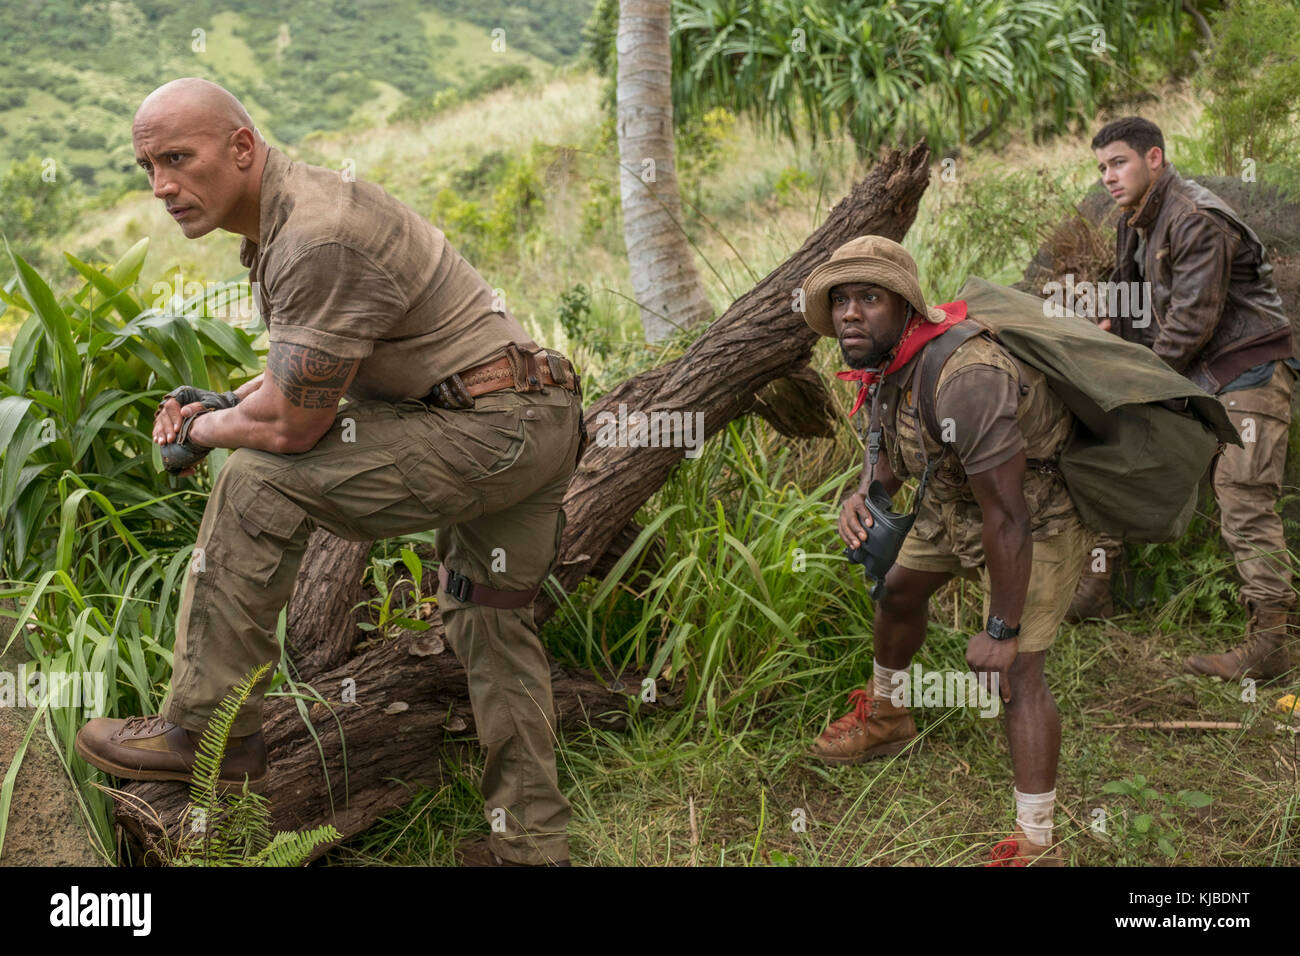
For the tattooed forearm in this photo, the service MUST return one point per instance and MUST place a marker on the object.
(309, 378)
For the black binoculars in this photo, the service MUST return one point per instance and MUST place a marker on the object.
(884, 538)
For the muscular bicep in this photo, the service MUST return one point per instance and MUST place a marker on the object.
(306, 385)
(308, 378)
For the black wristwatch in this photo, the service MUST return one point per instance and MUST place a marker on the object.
(999, 630)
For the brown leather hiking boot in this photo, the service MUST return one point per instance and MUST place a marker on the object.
(874, 728)
(1092, 598)
(1261, 656)
(153, 748)
(1018, 850)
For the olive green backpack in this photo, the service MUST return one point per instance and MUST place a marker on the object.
(1144, 435)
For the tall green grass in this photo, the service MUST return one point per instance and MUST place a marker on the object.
(753, 601)
(93, 538)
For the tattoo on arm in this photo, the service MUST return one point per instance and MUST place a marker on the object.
(308, 377)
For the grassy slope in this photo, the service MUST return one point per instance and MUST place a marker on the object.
(85, 86)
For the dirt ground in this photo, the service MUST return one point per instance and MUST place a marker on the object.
(46, 827)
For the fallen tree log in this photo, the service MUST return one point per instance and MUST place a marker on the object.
(408, 694)
(798, 406)
(758, 340)
(410, 690)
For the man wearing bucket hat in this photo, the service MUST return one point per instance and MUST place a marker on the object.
(991, 509)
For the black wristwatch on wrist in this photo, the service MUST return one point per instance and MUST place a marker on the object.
(999, 630)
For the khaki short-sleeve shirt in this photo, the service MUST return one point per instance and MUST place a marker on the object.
(343, 267)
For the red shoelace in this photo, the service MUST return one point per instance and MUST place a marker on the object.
(1005, 853)
(862, 704)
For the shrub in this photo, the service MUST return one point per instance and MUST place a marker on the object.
(77, 398)
(1252, 82)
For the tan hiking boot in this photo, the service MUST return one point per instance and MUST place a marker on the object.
(153, 748)
(1261, 656)
(1019, 850)
(874, 728)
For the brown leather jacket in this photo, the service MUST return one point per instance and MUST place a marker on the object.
(1215, 310)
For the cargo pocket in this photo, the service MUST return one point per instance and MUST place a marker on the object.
(425, 475)
(927, 525)
(479, 445)
(269, 522)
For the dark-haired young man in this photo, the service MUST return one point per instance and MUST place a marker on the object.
(1213, 314)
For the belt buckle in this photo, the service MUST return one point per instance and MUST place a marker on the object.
(459, 586)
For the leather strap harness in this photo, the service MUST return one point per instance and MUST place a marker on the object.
(926, 385)
(463, 589)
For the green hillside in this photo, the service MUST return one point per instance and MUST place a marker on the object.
(72, 72)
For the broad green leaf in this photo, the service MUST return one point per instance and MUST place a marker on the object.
(12, 410)
(413, 565)
(228, 342)
(115, 294)
(30, 512)
(101, 409)
(22, 353)
(27, 438)
(127, 269)
(57, 327)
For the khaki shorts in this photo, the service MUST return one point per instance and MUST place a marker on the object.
(1058, 563)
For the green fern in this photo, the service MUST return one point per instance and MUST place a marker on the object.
(216, 736)
(236, 830)
(292, 849)
(216, 847)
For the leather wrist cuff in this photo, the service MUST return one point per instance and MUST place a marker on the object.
(184, 437)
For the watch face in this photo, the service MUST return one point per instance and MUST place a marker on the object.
(999, 631)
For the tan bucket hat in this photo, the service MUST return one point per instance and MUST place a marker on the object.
(864, 259)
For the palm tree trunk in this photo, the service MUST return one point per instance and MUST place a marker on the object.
(664, 279)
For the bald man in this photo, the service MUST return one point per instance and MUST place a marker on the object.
(455, 419)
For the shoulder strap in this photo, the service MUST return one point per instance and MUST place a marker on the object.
(934, 357)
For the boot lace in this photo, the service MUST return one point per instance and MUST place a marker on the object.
(1005, 853)
(863, 706)
(147, 725)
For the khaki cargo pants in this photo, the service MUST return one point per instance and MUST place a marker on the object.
(1248, 483)
(492, 480)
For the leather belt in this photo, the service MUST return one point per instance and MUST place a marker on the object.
(517, 369)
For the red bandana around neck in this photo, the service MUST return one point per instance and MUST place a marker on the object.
(916, 334)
